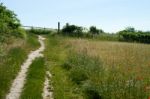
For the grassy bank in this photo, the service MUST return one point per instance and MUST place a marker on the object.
(13, 53)
(33, 88)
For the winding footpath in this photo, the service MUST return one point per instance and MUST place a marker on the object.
(18, 83)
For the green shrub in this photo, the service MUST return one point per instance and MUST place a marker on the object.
(9, 23)
(81, 68)
(72, 30)
(91, 91)
(94, 30)
(130, 35)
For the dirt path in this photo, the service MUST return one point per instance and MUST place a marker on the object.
(18, 83)
(48, 89)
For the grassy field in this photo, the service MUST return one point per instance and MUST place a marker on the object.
(80, 68)
(12, 54)
(123, 68)
(33, 88)
(98, 69)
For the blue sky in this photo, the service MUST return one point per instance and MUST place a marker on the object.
(109, 15)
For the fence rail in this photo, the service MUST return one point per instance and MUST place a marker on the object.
(35, 27)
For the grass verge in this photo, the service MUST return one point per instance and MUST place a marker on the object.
(33, 88)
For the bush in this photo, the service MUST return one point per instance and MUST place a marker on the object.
(94, 30)
(72, 30)
(9, 24)
(91, 91)
(81, 69)
(142, 37)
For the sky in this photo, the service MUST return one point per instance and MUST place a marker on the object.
(109, 15)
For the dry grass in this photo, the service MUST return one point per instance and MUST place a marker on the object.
(100, 69)
(128, 56)
(125, 63)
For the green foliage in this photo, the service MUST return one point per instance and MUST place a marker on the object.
(94, 30)
(131, 35)
(9, 23)
(130, 29)
(72, 30)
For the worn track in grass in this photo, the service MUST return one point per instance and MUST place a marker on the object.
(19, 81)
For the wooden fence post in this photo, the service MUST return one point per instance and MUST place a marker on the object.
(58, 27)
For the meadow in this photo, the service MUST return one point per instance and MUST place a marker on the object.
(98, 69)
(81, 68)
(84, 63)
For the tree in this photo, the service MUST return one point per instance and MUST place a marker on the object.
(132, 35)
(94, 30)
(8, 20)
(130, 29)
(101, 31)
(72, 30)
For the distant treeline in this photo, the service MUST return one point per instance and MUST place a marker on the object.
(129, 34)
(78, 31)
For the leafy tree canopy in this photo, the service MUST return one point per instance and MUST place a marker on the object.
(8, 20)
(94, 30)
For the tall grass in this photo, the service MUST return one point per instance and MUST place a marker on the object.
(110, 70)
(102, 37)
(98, 69)
(9, 68)
(55, 55)
(32, 41)
(33, 88)
(98, 82)
(13, 53)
